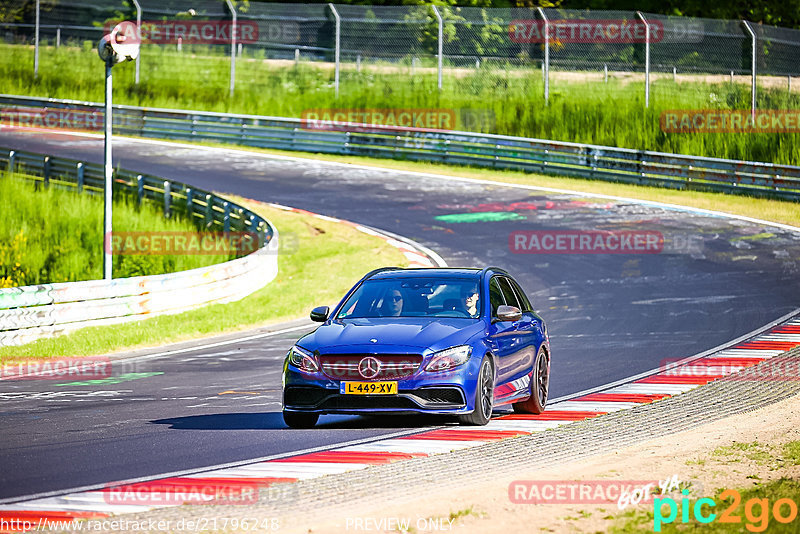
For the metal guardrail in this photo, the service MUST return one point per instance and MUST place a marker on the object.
(32, 312)
(494, 151)
(595, 162)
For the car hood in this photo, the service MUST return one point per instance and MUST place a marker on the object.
(401, 333)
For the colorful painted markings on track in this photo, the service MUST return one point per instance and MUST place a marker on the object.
(663, 384)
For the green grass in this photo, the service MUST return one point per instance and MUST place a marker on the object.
(588, 112)
(50, 234)
(791, 453)
(640, 521)
(328, 259)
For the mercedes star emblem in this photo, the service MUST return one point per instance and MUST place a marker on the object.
(369, 367)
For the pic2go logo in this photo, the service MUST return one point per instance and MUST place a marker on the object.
(756, 511)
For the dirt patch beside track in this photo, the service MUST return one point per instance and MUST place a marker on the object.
(736, 452)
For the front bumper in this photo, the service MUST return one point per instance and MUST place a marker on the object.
(447, 392)
(441, 399)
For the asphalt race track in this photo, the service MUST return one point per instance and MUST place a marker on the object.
(610, 315)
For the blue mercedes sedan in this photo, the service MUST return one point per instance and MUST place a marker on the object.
(437, 341)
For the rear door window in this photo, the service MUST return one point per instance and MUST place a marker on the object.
(508, 293)
(522, 297)
(495, 296)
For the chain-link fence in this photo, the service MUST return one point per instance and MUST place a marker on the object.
(540, 51)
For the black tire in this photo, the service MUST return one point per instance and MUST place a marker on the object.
(484, 396)
(300, 419)
(540, 386)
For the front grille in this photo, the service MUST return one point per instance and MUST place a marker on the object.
(358, 402)
(447, 396)
(392, 366)
(300, 396)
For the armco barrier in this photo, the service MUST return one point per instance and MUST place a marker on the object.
(32, 312)
(493, 151)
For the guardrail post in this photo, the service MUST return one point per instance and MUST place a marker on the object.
(139, 189)
(226, 218)
(440, 23)
(338, 47)
(241, 220)
(190, 203)
(36, 44)
(47, 171)
(546, 62)
(753, 68)
(646, 59)
(80, 176)
(11, 156)
(233, 45)
(209, 211)
(58, 37)
(167, 198)
(139, 35)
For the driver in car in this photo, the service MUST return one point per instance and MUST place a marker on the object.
(392, 304)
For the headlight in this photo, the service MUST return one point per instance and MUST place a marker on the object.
(449, 358)
(303, 360)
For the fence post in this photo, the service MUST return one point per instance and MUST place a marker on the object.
(226, 218)
(47, 171)
(11, 157)
(209, 210)
(36, 45)
(605, 72)
(139, 189)
(58, 37)
(753, 66)
(139, 35)
(440, 22)
(546, 63)
(190, 204)
(167, 198)
(233, 45)
(80, 176)
(646, 59)
(338, 46)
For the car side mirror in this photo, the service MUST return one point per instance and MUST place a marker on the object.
(508, 313)
(320, 314)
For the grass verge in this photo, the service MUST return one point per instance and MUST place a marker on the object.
(328, 259)
(504, 99)
(50, 234)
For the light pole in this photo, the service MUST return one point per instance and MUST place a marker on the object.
(122, 44)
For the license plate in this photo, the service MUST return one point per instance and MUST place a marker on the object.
(368, 388)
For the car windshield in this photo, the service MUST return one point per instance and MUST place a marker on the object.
(413, 297)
